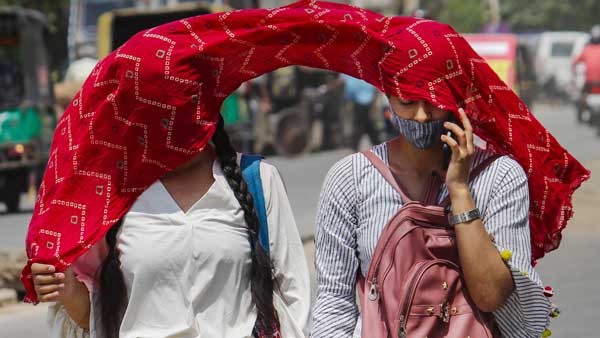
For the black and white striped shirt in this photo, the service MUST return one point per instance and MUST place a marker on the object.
(355, 205)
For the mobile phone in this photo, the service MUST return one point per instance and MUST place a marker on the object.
(445, 147)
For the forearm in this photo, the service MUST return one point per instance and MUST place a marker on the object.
(488, 279)
(77, 305)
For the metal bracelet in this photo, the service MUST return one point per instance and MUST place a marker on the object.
(464, 217)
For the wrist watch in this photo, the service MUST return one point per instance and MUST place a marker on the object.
(464, 217)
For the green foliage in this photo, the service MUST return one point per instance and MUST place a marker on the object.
(523, 15)
(551, 14)
(466, 16)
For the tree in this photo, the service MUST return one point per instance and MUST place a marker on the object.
(551, 14)
(533, 15)
(466, 16)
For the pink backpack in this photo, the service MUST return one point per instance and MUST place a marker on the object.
(414, 287)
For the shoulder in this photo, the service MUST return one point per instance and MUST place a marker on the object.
(357, 161)
(340, 181)
(342, 167)
(267, 170)
(503, 168)
(348, 173)
(269, 176)
(354, 166)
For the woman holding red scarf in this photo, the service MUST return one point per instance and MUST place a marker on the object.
(179, 263)
(153, 105)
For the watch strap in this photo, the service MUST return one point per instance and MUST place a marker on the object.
(464, 217)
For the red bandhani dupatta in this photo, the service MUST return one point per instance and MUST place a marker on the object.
(153, 103)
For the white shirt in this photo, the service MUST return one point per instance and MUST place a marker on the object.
(187, 273)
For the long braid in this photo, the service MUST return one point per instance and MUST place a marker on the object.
(113, 293)
(261, 275)
(112, 308)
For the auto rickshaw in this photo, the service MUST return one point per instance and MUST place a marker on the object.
(117, 26)
(27, 118)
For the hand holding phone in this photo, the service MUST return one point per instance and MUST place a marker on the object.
(445, 147)
(459, 153)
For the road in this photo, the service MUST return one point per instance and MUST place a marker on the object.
(572, 270)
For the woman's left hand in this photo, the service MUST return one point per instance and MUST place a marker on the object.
(463, 148)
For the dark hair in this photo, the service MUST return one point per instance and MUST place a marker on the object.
(113, 296)
(261, 273)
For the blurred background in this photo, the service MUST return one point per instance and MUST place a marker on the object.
(304, 119)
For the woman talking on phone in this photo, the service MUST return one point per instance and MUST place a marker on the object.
(357, 202)
(436, 235)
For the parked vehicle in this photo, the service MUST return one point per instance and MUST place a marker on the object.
(312, 122)
(84, 14)
(553, 61)
(304, 105)
(590, 108)
(117, 26)
(27, 119)
(299, 128)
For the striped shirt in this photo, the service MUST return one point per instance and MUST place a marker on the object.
(355, 205)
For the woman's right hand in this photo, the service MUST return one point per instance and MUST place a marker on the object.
(63, 287)
(52, 286)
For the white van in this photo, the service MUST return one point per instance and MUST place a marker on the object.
(554, 58)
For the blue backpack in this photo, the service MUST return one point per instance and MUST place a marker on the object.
(250, 166)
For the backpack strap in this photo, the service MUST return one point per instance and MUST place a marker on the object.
(474, 173)
(386, 172)
(250, 165)
(389, 176)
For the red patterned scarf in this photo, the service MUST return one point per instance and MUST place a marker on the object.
(153, 103)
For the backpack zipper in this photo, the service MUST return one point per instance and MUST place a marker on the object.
(403, 317)
(373, 294)
(402, 328)
(408, 300)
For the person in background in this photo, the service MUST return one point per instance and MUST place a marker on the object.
(362, 95)
(588, 65)
(271, 92)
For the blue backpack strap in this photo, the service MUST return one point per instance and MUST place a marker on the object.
(250, 165)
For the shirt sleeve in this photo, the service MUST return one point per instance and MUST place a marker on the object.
(85, 267)
(525, 314)
(336, 312)
(60, 324)
(287, 254)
